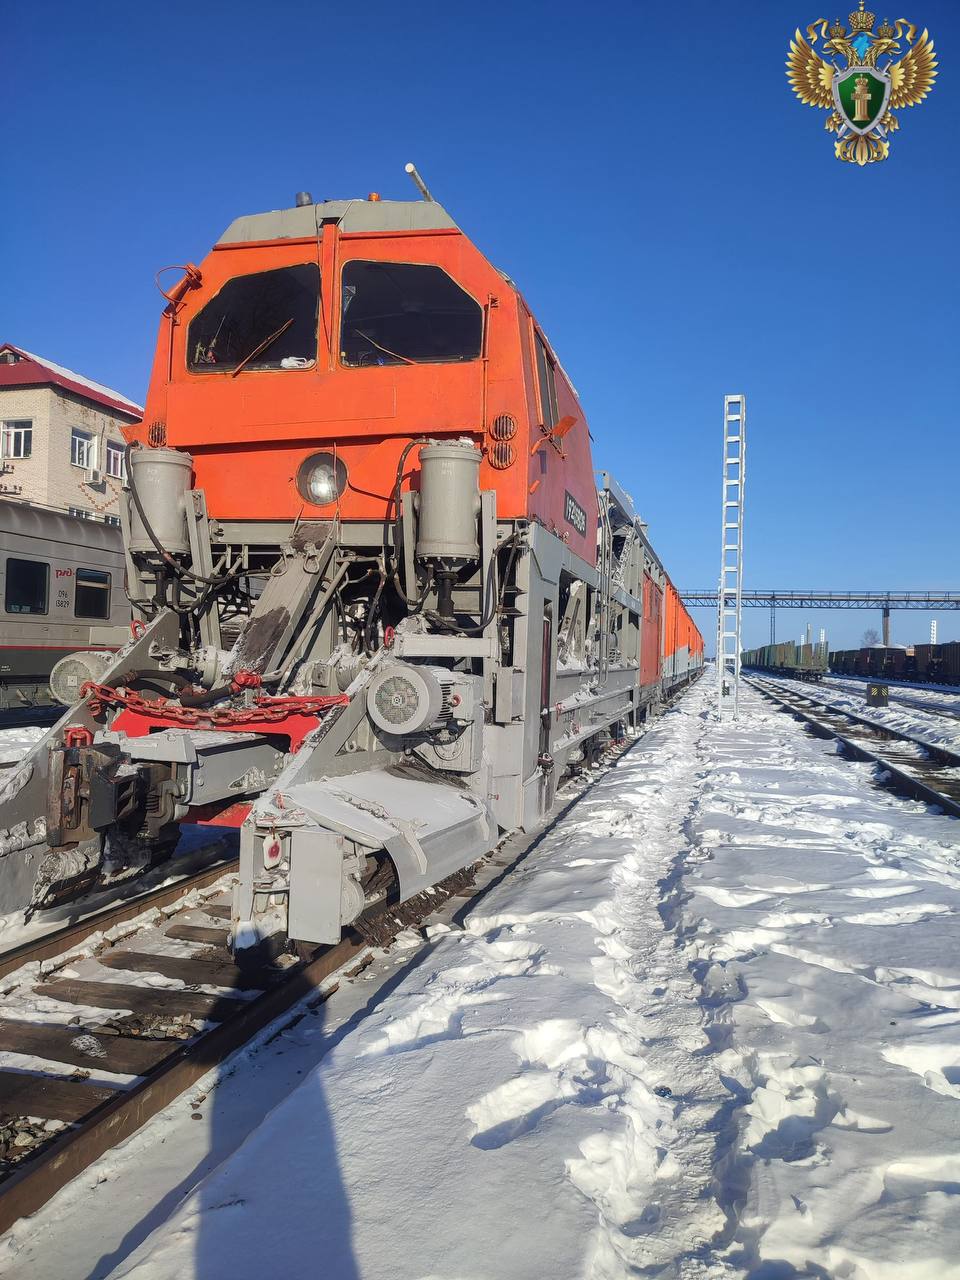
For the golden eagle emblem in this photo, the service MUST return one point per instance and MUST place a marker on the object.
(862, 96)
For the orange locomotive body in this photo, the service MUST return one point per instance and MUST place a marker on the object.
(482, 369)
(384, 606)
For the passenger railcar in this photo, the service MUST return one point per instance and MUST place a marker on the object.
(385, 605)
(62, 590)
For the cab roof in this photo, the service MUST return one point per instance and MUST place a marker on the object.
(352, 215)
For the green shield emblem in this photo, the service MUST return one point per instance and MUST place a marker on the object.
(861, 95)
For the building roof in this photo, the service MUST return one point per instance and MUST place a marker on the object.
(29, 370)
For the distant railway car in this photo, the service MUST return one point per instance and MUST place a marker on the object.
(926, 663)
(385, 607)
(61, 584)
(843, 661)
(800, 661)
(950, 663)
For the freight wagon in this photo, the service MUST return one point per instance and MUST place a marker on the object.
(800, 661)
(925, 663)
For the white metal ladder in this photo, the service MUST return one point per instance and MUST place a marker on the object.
(731, 558)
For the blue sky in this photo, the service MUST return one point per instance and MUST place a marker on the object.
(674, 215)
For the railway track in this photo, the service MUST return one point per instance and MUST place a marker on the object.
(112, 1019)
(922, 770)
(849, 687)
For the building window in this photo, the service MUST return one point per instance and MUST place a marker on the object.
(18, 438)
(83, 451)
(112, 521)
(267, 320)
(547, 379)
(81, 513)
(92, 596)
(116, 461)
(26, 586)
(401, 313)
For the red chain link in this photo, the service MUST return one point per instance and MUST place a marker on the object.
(273, 710)
(246, 680)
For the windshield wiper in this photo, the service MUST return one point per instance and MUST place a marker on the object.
(262, 347)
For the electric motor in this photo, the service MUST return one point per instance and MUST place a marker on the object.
(403, 699)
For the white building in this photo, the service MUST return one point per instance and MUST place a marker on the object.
(62, 443)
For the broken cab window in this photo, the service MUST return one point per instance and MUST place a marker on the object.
(263, 321)
(401, 313)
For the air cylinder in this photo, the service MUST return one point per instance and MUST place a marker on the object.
(161, 478)
(449, 502)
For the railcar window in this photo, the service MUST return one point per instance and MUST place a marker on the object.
(18, 438)
(401, 313)
(92, 595)
(26, 586)
(267, 320)
(547, 376)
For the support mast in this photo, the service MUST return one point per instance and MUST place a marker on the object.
(731, 559)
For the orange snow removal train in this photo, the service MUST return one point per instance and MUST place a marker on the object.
(384, 606)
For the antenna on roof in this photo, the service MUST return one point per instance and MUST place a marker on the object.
(421, 186)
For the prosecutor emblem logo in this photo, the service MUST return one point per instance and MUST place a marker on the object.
(862, 95)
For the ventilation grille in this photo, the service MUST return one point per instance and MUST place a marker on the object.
(398, 700)
(157, 435)
(503, 427)
(502, 455)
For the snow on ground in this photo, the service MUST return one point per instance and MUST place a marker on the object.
(709, 1028)
(922, 724)
(935, 698)
(946, 695)
(15, 743)
(824, 921)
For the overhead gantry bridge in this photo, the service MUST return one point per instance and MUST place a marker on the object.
(884, 601)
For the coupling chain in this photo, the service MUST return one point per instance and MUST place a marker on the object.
(263, 710)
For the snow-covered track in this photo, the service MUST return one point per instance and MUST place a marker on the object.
(897, 695)
(104, 1044)
(126, 1031)
(909, 764)
(59, 940)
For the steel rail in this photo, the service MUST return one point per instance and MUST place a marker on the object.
(905, 779)
(850, 689)
(61, 940)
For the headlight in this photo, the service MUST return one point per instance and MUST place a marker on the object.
(321, 479)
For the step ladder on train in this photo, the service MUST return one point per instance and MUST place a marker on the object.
(731, 560)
